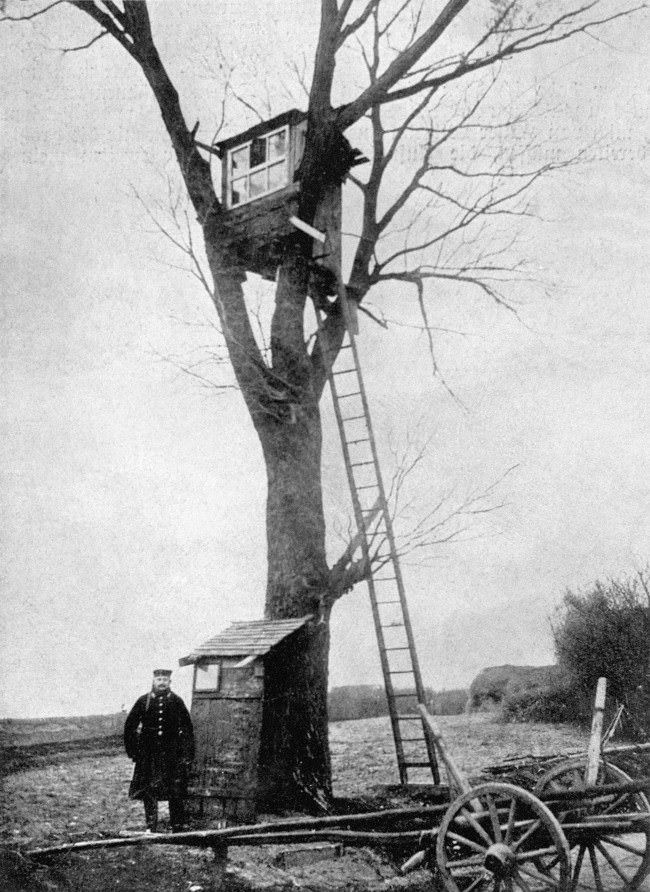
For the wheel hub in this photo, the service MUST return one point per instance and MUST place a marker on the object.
(500, 860)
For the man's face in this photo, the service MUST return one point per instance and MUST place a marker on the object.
(161, 683)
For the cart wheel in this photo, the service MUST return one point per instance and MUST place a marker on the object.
(611, 861)
(500, 838)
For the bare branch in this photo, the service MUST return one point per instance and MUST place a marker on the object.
(84, 46)
(531, 39)
(27, 17)
(361, 19)
(400, 66)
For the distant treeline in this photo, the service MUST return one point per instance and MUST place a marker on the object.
(349, 702)
(367, 701)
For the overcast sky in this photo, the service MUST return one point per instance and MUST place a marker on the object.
(134, 498)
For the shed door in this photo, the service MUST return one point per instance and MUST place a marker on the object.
(227, 727)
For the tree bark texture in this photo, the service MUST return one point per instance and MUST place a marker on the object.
(294, 765)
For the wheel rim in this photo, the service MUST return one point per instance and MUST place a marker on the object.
(500, 838)
(602, 861)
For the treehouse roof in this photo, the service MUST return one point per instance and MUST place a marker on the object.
(253, 638)
(292, 116)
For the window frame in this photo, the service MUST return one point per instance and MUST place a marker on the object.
(265, 166)
(207, 665)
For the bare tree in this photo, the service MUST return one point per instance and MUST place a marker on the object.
(435, 229)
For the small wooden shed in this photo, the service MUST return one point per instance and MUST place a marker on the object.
(259, 187)
(228, 714)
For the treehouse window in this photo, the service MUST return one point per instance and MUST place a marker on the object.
(258, 167)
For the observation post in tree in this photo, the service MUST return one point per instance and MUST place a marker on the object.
(261, 197)
(260, 188)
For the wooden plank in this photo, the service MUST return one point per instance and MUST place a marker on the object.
(456, 776)
(309, 230)
(593, 753)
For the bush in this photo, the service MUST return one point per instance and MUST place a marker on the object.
(451, 702)
(356, 702)
(557, 703)
(369, 701)
(495, 684)
(605, 632)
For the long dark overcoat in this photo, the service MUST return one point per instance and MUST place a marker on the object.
(158, 736)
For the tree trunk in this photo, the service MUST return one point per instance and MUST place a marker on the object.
(295, 761)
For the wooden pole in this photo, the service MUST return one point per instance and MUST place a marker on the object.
(216, 837)
(458, 779)
(593, 753)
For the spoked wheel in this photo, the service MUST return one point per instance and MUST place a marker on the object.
(500, 838)
(606, 858)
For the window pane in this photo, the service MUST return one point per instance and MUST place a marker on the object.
(258, 183)
(207, 677)
(277, 176)
(278, 145)
(239, 160)
(258, 151)
(239, 191)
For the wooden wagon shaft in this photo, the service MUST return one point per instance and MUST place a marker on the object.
(456, 775)
(351, 837)
(204, 839)
(222, 836)
(605, 790)
(629, 825)
(627, 748)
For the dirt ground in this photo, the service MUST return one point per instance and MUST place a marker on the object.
(83, 796)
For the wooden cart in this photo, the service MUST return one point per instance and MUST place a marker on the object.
(584, 826)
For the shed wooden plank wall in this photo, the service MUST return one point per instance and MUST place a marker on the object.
(227, 728)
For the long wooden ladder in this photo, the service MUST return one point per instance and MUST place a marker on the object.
(414, 744)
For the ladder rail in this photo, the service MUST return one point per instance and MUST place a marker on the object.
(392, 556)
(365, 550)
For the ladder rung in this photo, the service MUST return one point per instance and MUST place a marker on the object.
(392, 625)
(416, 764)
(360, 440)
(345, 396)
(397, 648)
(345, 371)
(414, 694)
(352, 417)
(367, 486)
(408, 717)
(358, 464)
(396, 601)
(384, 578)
(413, 739)
(401, 672)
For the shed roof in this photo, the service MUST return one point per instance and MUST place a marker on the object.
(256, 638)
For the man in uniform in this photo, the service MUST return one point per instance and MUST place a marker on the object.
(158, 736)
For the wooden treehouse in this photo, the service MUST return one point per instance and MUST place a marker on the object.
(260, 190)
(229, 714)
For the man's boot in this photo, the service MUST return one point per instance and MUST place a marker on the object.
(151, 813)
(177, 814)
